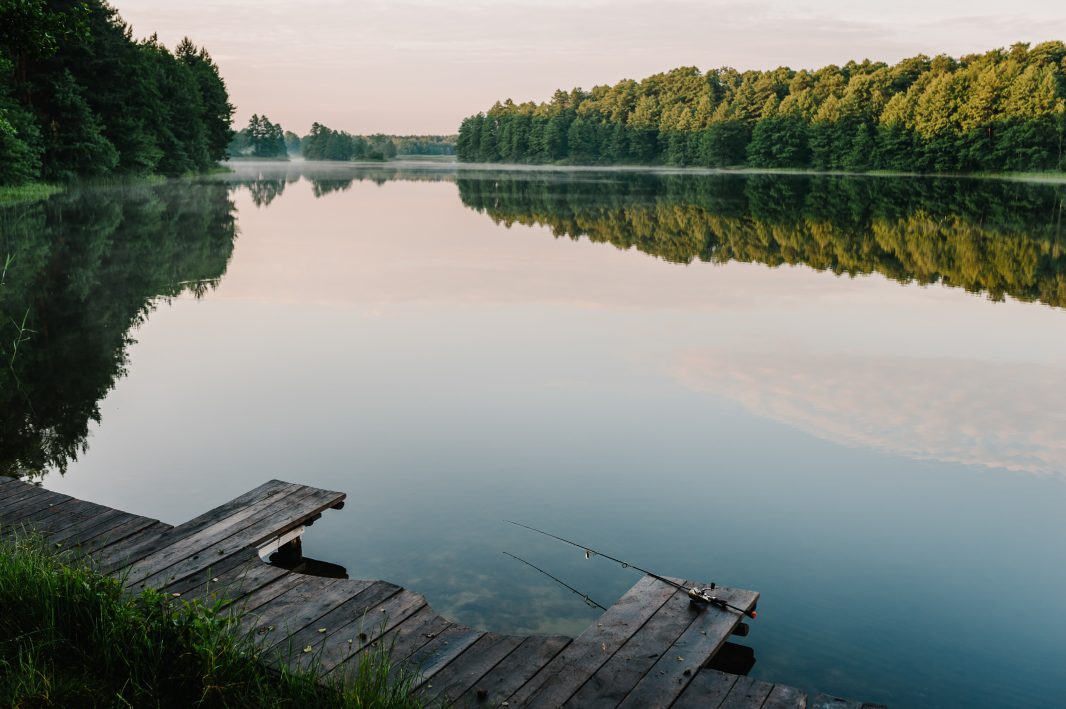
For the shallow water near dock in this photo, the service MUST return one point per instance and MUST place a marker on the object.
(845, 393)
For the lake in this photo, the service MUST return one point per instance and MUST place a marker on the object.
(846, 393)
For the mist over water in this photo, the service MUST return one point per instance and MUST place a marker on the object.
(842, 392)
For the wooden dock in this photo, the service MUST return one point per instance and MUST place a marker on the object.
(650, 649)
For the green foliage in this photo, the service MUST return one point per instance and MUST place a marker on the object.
(80, 98)
(261, 139)
(1002, 110)
(71, 637)
(993, 237)
(292, 143)
(323, 143)
(86, 266)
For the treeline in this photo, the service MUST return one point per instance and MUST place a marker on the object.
(79, 97)
(260, 139)
(82, 269)
(1001, 110)
(424, 144)
(997, 238)
(324, 143)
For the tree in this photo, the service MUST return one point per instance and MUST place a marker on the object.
(1004, 109)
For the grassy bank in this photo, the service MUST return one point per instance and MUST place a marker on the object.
(69, 637)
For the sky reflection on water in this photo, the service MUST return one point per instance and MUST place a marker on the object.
(884, 462)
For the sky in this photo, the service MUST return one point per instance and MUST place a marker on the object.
(420, 66)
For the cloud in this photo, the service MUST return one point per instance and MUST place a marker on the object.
(995, 414)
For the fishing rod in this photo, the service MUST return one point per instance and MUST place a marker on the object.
(697, 595)
(584, 596)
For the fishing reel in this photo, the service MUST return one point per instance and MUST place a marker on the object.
(704, 597)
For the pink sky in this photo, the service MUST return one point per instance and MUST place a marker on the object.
(420, 66)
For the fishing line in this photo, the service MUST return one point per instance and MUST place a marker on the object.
(584, 596)
(699, 595)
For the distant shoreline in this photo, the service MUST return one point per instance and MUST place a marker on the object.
(437, 164)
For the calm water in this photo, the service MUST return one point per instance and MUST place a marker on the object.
(846, 393)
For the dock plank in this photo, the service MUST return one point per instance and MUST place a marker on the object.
(437, 653)
(354, 624)
(783, 697)
(147, 546)
(747, 693)
(707, 690)
(565, 674)
(401, 642)
(295, 510)
(88, 528)
(684, 658)
(59, 517)
(180, 546)
(27, 507)
(229, 579)
(513, 671)
(13, 500)
(117, 539)
(613, 681)
(465, 671)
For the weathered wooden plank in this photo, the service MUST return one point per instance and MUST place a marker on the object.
(12, 500)
(229, 588)
(30, 501)
(115, 539)
(88, 528)
(34, 519)
(10, 487)
(565, 674)
(356, 613)
(187, 545)
(147, 546)
(783, 697)
(437, 653)
(513, 671)
(229, 579)
(401, 642)
(22, 516)
(66, 514)
(294, 610)
(747, 693)
(828, 701)
(296, 510)
(620, 674)
(370, 613)
(684, 658)
(464, 672)
(707, 690)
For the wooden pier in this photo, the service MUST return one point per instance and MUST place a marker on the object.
(650, 649)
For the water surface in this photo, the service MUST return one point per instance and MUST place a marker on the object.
(845, 393)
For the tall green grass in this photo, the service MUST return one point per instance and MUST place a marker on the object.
(70, 637)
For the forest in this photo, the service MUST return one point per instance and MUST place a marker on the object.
(261, 139)
(1004, 110)
(324, 143)
(79, 97)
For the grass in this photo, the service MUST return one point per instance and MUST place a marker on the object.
(30, 192)
(70, 637)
